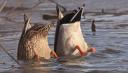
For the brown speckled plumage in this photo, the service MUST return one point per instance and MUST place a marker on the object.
(34, 42)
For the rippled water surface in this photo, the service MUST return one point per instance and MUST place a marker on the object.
(111, 39)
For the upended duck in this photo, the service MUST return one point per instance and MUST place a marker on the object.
(69, 40)
(33, 43)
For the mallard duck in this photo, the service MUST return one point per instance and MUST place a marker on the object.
(69, 40)
(33, 43)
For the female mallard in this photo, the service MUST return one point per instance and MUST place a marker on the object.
(33, 43)
(69, 39)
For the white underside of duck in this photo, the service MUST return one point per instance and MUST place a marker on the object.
(70, 35)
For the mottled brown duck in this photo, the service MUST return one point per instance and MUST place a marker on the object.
(33, 43)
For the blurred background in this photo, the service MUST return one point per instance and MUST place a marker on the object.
(110, 39)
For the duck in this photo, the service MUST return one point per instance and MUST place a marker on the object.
(69, 40)
(93, 28)
(33, 43)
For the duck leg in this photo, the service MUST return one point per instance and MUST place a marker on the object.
(36, 58)
(53, 54)
(93, 50)
(80, 51)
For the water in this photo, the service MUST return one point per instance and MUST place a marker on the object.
(110, 39)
